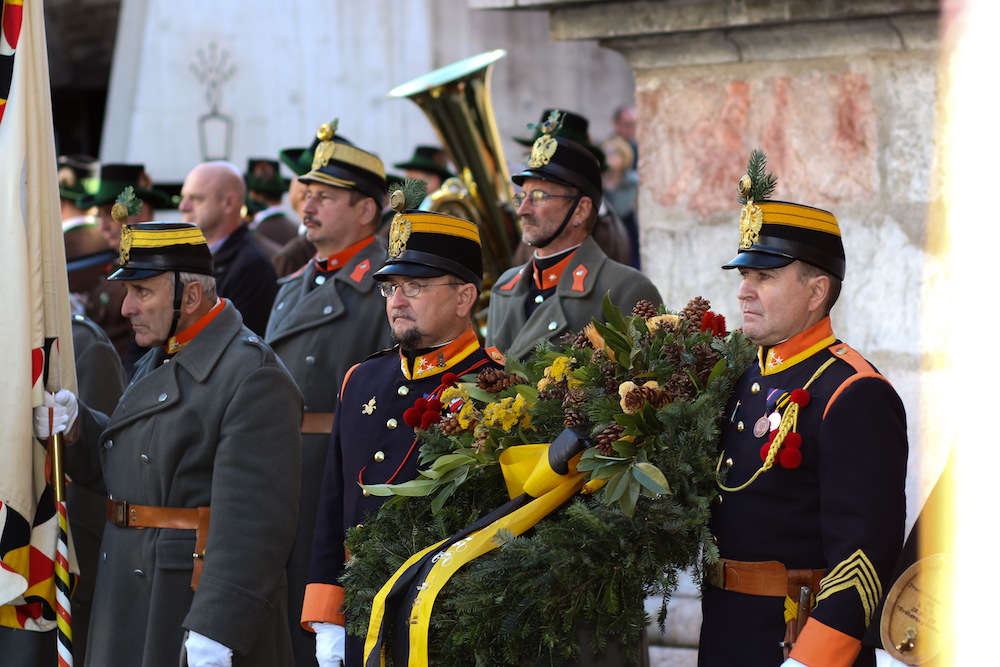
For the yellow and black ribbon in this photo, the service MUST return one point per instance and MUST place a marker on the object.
(540, 479)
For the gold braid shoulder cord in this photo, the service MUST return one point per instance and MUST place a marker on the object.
(789, 421)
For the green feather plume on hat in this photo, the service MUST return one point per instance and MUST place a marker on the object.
(757, 184)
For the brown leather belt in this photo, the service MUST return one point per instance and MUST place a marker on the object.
(317, 422)
(768, 578)
(126, 515)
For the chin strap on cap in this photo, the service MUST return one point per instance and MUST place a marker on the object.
(178, 298)
(569, 214)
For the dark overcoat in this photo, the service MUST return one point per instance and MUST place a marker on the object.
(245, 276)
(215, 425)
(319, 333)
(577, 299)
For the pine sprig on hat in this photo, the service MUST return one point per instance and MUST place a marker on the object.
(757, 185)
(126, 205)
(409, 196)
(550, 125)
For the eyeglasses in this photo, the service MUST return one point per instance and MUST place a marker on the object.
(538, 198)
(410, 288)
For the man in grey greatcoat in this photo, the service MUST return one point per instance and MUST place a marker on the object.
(564, 284)
(210, 421)
(328, 316)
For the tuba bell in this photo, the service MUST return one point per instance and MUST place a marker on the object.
(456, 100)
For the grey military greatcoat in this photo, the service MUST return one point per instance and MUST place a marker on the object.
(215, 425)
(320, 332)
(578, 297)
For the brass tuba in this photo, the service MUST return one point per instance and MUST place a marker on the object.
(456, 99)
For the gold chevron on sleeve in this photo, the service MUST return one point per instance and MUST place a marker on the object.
(854, 572)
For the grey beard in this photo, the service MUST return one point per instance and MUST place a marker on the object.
(409, 339)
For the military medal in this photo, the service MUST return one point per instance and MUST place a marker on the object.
(761, 427)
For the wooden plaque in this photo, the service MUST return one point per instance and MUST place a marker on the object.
(917, 621)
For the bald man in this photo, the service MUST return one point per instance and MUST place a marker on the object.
(212, 196)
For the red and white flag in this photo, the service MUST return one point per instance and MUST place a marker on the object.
(36, 345)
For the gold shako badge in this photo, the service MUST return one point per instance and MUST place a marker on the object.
(400, 200)
(125, 205)
(327, 146)
(545, 146)
(751, 217)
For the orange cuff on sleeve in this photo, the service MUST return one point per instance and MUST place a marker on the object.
(323, 603)
(819, 645)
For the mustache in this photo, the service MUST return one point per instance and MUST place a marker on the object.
(398, 313)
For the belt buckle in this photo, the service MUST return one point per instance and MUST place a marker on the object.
(120, 514)
(715, 574)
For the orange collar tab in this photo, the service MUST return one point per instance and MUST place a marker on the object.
(441, 359)
(337, 260)
(513, 281)
(178, 341)
(579, 276)
(549, 278)
(797, 348)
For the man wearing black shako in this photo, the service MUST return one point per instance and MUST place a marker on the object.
(812, 461)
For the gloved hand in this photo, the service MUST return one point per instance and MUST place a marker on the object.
(64, 409)
(790, 662)
(330, 644)
(205, 652)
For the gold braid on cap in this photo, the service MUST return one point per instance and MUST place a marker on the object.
(402, 199)
(327, 146)
(126, 204)
(755, 186)
(545, 146)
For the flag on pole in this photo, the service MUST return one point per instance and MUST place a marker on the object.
(37, 349)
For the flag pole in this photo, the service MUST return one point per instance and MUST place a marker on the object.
(64, 608)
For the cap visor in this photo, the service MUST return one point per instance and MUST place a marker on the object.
(408, 269)
(98, 258)
(758, 260)
(133, 274)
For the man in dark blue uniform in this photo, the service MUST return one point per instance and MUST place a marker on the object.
(814, 460)
(431, 281)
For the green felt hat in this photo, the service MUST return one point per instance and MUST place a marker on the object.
(428, 158)
(264, 175)
(79, 175)
(117, 177)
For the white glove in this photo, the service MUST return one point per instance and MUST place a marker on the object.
(64, 409)
(330, 644)
(205, 652)
(792, 663)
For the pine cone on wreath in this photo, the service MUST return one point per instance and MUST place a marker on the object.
(680, 387)
(695, 310)
(644, 309)
(494, 380)
(705, 359)
(573, 418)
(672, 349)
(575, 399)
(581, 340)
(450, 426)
(607, 438)
(609, 370)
